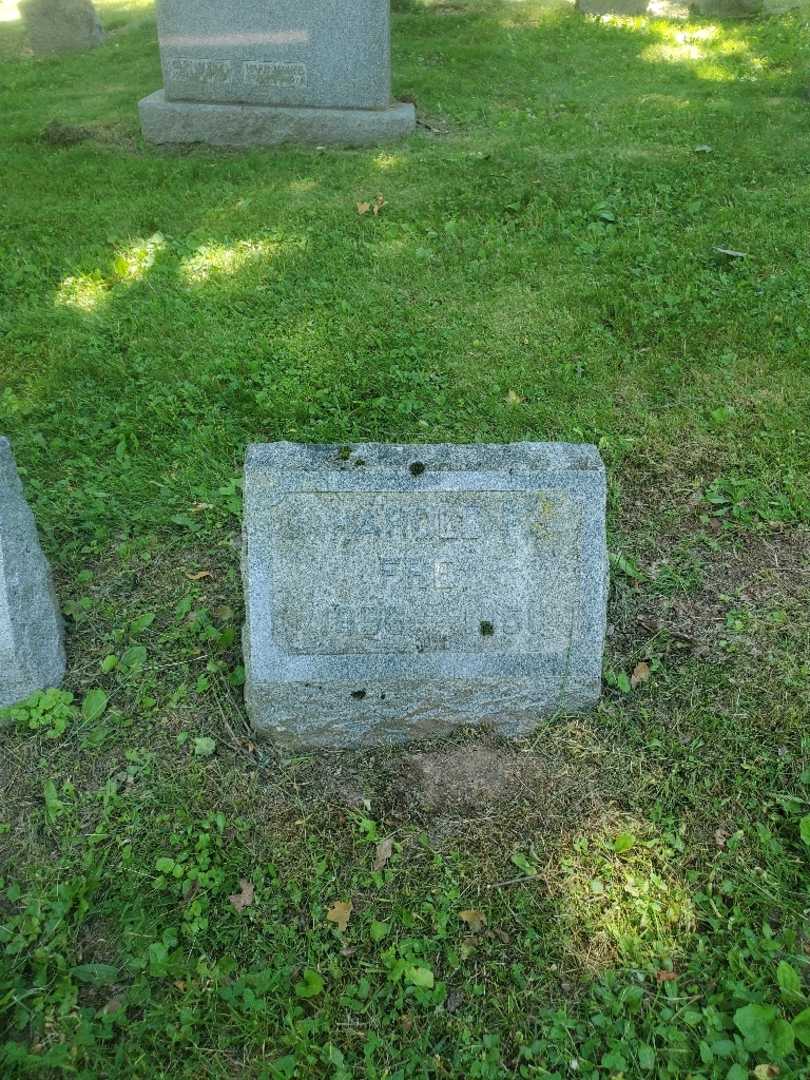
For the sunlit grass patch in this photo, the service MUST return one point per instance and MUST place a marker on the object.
(132, 262)
(84, 292)
(624, 897)
(223, 259)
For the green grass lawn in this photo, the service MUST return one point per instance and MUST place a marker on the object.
(634, 883)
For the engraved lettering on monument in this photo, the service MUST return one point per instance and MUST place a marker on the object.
(381, 568)
(206, 77)
(267, 73)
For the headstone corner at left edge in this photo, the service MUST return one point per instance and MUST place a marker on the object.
(32, 653)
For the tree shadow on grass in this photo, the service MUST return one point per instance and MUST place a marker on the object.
(188, 303)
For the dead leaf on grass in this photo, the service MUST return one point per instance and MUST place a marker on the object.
(665, 976)
(385, 850)
(375, 207)
(766, 1072)
(340, 913)
(641, 673)
(244, 898)
(476, 920)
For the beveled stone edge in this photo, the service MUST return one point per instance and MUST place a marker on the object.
(169, 123)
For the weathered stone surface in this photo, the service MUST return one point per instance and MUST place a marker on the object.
(61, 25)
(331, 55)
(175, 122)
(393, 592)
(252, 73)
(31, 653)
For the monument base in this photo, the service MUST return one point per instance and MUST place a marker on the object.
(165, 121)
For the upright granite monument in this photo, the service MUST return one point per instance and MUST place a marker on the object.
(249, 72)
(393, 592)
(31, 653)
(55, 26)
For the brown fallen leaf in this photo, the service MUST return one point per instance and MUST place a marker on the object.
(385, 849)
(665, 976)
(641, 673)
(340, 913)
(375, 207)
(199, 575)
(244, 898)
(476, 920)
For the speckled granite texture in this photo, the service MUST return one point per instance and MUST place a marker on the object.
(259, 74)
(394, 592)
(31, 653)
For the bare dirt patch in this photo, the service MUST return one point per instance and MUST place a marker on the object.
(756, 576)
(60, 134)
(467, 779)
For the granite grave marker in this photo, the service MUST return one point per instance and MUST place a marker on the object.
(61, 25)
(251, 72)
(393, 592)
(31, 653)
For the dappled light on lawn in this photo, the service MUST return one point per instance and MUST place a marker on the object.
(385, 161)
(83, 293)
(715, 54)
(623, 896)
(133, 261)
(303, 186)
(212, 259)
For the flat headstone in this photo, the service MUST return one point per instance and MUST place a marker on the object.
(248, 73)
(393, 592)
(31, 653)
(61, 25)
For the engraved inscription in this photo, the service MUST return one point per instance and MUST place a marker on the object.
(439, 572)
(210, 73)
(265, 73)
(210, 76)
